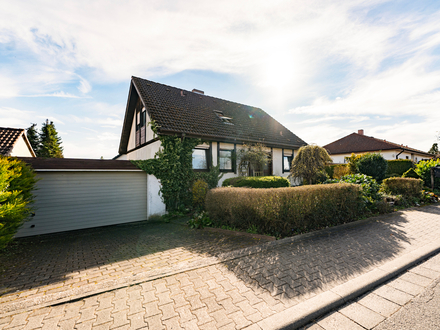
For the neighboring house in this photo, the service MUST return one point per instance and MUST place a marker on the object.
(223, 125)
(358, 143)
(13, 142)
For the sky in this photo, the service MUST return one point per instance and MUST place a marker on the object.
(324, 69)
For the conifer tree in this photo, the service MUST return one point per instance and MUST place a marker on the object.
(50, 142)
(33, 137)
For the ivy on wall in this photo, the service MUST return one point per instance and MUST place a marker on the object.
(172, 165)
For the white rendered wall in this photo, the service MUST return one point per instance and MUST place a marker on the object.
(388, 155)
(21, 149)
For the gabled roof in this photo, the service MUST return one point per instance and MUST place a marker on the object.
(357, 143)
(178, 111)
(9, 138)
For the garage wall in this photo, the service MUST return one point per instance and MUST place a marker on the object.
(70, 200)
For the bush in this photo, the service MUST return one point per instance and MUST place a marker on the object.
(392, 175)
(285, 211)
(321, 177)
(330, 169)
(257, 182)
(374, 165)
(340, 171)
(423, 168)
(199, 190)
(411, 173)
(352, 163)
(407, 187)
(399, 166)
(370, 188)
(17, 180)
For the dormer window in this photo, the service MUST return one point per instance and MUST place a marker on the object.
(226, 120)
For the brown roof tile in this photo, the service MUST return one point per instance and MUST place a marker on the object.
(8, 138)
(180, 111)
(358, 143)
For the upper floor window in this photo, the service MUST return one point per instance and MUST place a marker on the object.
(141, 119)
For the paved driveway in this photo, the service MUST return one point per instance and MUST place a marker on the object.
(42, 266)
(238, 289)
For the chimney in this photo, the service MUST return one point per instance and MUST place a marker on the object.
(198, 91)
(361, 132)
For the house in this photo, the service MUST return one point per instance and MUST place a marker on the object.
(14, 142)
(223, 126)
(359, 143)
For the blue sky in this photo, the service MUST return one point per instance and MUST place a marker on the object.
(324, 69)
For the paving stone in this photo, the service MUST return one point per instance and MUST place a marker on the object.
(119, 319)
(362, 315)
(168, 311)
(394, 295)
(416, 279)
(337, 321)
(154, 322)
(379, 305)
(405, 286)
(103, 316)
(423, 271)
(137, 321)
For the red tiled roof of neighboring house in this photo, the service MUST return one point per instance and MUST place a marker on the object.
(39, 163)
(8, 138)
(358, 143)
(178, 111)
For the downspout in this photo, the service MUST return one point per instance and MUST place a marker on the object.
(397, 156)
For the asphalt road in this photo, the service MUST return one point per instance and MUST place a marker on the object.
(423, 312)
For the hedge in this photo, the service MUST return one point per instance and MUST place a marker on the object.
(285, 211)
(399, 166)
(257, 182)
(408, 187)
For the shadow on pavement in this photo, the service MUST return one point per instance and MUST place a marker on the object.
(50, 259)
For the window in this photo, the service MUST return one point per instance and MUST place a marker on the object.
(225, 120)
(141, 118)
(287, 160)
(226, 157)
(200, 159)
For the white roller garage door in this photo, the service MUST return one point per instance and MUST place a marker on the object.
(70, 200)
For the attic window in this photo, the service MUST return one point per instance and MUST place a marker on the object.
(226, 120)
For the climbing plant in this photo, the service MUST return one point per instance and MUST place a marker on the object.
(172, 165)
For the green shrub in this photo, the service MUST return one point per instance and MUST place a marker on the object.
(321, 177)
(370, 188)
(423, 168)
(257, 182)
(374, 165)
(407, 187)
(411, 173)
(212, 177)
(285, 211)
(399, 166)
(17, 180)
(392, 175)
(340, 171)
(200, 220)
(329, 169)
(199, 190)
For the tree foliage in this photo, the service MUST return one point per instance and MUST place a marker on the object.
(17, 180)
(33, 137)
(309, 161)
(172, 165)
(434, 149)
(46, 143)
(374, 165)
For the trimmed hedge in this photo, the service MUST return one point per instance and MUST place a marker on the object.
(399, 166)
(408, 187)
(285, 211)
(411, 173)
(257, 182)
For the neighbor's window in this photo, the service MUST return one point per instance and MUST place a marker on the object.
(200, 159)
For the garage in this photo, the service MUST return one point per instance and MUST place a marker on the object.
(76, 194)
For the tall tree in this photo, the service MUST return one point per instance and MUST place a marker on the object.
(434, 149)
(309, 161)
(50, 142)
(33, 137)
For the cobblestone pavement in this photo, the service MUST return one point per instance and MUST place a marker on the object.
(43, 265)
(379, 309)
(239, 292)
